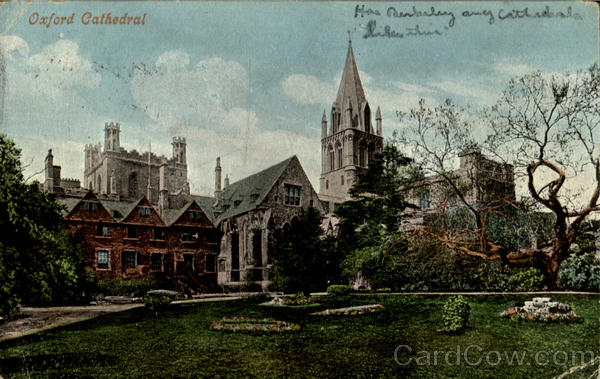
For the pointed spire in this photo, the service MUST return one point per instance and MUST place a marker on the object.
(378, 114)
(324, 119)
(351, 94)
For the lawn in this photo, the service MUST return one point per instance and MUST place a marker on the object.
(179, 342)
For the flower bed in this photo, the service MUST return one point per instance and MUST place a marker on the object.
(292, 302)
(243, 324)
(350, 311)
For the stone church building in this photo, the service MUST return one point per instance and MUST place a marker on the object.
(130, 174)
(350, 140)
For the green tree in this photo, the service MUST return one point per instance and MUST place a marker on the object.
(369, 222)
(39, 262)
(300, 262)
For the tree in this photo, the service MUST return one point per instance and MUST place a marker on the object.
(545, 127)
(39, 262)
(370, 221)
(300, 262)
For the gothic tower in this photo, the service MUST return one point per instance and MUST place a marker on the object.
(350, 142)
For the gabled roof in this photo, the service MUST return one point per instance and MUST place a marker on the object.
(120, 209)
(350, 92)
(206, 203)
(142, 201)
(170, 216)
(69, 203)
(246, 194)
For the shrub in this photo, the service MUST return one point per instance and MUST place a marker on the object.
(131, 287)
(580, 272)
(338, 289)
(526, 279)
(157, 300)
(455, 314)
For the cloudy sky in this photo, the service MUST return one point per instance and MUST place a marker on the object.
(249, 81)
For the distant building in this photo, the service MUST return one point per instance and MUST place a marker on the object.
(480, 180)
(53, 182)
(350, 141)
(114, 171)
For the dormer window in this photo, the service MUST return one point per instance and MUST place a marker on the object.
(145, 211)
(90, 205)
(292, 194)
(195, 216)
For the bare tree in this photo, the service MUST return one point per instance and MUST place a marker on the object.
(545, 127)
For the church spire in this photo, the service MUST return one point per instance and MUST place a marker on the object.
(350, 86)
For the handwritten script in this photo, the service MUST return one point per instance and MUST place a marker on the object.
(387, 22)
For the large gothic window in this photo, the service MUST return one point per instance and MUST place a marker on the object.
(339, 156)
(362, 156)
(331, 158)
(133, 185)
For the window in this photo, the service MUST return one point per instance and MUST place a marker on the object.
(157, 262)
(132, 232)
(188, 237)
(292, 194)
(145, 211)
(90, 205)
(132, 185)
(342, 179)
(327, 184)
(331, 159)
(339, 156)
(130, 259)
(159, 234)
(102, 259)
(211, 263)
(102, 231)
(425, 199)
(188, 261)
(195, 216)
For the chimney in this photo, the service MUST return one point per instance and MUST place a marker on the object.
(218, 191)
(163, 194)
(48, 172)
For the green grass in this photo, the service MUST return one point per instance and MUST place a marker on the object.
(178, 342)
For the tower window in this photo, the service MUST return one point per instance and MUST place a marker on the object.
(342, 179)
(331, 159)
(339, 156)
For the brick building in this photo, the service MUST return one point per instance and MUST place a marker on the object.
(129, 239)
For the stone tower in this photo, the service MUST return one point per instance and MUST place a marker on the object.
(111, 137)
(349, 142)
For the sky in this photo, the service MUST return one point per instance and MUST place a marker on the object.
(248, 81)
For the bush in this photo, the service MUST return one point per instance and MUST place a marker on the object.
(580, 272)
(157, 300)
(526, 280)
(338, 289)
(455, 314)
(132, 287)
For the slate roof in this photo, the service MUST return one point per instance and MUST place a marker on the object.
(121, 208)
(69, 203)
(246, 194)
(206, 203)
